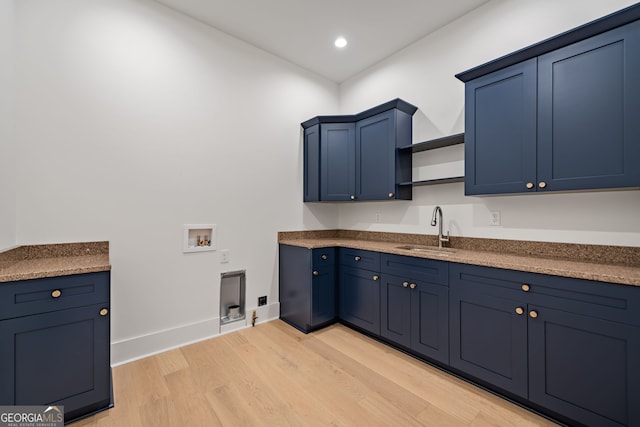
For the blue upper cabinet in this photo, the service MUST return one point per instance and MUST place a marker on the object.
(560, 115)
(500, 130)
(312, 164)
(356, 157)
(588, 110)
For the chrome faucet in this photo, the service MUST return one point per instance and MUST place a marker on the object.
(436, 219)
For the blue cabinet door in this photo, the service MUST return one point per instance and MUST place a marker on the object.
(500, 131)
(430, 320)
(323, 295)
(584, 368)
(311, 155)
(58, 358)
(337, 161)
(489, 337)
(588, 110)
(376, 156)
(395, 306)
(360, 298)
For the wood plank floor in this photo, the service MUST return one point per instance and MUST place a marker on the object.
(273, 375)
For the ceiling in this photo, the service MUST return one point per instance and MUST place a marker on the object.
(303, 31)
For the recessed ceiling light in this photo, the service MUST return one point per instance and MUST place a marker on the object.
(340, 42)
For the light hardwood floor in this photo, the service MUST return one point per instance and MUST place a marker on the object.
(274, 375)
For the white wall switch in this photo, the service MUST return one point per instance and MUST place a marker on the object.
(224, 256)
(494, 218)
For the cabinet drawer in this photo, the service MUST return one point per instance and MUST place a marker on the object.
(324, 256)
(428, 270)
(619, 303)
(36, 296)
(359, 258)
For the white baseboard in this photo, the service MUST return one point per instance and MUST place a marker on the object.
(131, 349)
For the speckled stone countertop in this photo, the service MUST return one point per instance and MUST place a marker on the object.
(613, 264)
(37, 261)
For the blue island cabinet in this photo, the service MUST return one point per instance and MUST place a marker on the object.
(307, 287)
(568, 347)
(54, 335)
(562, 120)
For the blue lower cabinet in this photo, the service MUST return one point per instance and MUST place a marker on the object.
(307, 287)
(488, 337)
(360, 298)
(58, 356)
(414, 314)
(567, 347)
(584, 368)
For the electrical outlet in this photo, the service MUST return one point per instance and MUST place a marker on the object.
(378, 217)
(262, 301)
(494, 218)
(224, 256)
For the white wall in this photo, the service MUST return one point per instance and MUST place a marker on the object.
(423, 74)
(7, 130)
(133, 120)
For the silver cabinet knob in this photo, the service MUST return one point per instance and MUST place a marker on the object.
(323, 256)
(542, 184)
(315, 272)
(405, 284)
(353, 197)
(357, 258)
(375, 277)
(391, 195)
(412, 286)
(529, 185)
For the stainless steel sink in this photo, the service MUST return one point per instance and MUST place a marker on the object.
(432, 249)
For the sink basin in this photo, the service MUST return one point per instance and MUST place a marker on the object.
(432, 249)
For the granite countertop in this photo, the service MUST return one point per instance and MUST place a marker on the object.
(38, 261)
(613, 264)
